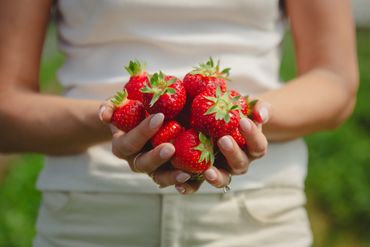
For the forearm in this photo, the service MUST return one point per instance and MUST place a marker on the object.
(318, 100)
(31, 122)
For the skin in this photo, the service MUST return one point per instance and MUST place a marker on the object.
(326, 62)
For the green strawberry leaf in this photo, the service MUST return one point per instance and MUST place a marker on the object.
(227, 118)
(154, 99)
(253, 102)
(146, 89)
(226, 71)
(206, 148)
(135, 67)
(210, 98)
(202, 137)
(218, 92)
(170, 91)
(171, 81)
(120, 97)
(235, 107)
(211, 110)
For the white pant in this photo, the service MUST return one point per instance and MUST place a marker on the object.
(265, 217)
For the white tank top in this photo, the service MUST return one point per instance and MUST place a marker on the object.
(99, 37)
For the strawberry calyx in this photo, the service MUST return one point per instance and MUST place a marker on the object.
(206, 148)
(158, 85)
(135, 67)
(252, 114)
(210, 69)
(223, 104)
(120, 98)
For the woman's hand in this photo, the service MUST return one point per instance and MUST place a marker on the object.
(237, 160)
(131, 145)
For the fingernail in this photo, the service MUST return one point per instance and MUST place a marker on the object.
(264, 113)
(180, 189)
(245, 124)
(166, 152)
(101, 111)
(210, 174)
(156, 121)
(226, 143)
(182, 177)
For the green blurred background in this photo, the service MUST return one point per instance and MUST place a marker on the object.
(338, 183)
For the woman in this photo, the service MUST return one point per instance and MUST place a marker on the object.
(94, 198)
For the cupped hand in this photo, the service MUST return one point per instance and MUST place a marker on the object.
(155, 162)
(237, 161)
(131, 147)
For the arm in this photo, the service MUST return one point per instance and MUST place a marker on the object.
(323, 95)
(30, 121)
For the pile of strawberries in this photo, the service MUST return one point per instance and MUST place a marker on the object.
(198, 111)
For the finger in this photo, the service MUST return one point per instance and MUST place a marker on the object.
(189, 187)
(134, 140)
(256, 140)
(106, 111)
(219, 178)
(261, 111)
(114, 129)
(152, 160)
(170, 177)
(236, 158)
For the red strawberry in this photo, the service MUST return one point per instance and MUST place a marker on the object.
(243, 102)
(252, 113)
(194, 152)
(204, 76)
(239, 139)
(164, 94)
(216, 113)
(138, 78)
(128, 113)
(167, 133)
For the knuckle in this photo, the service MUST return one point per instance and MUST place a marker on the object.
(144, 134)
(129, 147)
(219, 183)
(117, 152)
(258, 155)
(240, 171)
(164, 179)
(259, 148)
(239, 166)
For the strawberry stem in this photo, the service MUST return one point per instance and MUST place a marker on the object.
(135, 67)
(206, 148)
(158, 86)
(223, 104)
(209, 69)
(121, 96)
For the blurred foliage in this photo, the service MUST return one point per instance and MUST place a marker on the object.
(338, 183)
(19, 202)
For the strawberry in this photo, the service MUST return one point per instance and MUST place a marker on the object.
(167, 133)
(252, 113)
(247, 107)
(138, 78)
(239, 139)
(127, 113)
(194, 152)
(243, 102)
(216, 113)
(204, 76)
(164, 94)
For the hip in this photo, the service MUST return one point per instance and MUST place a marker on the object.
(273, 216)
